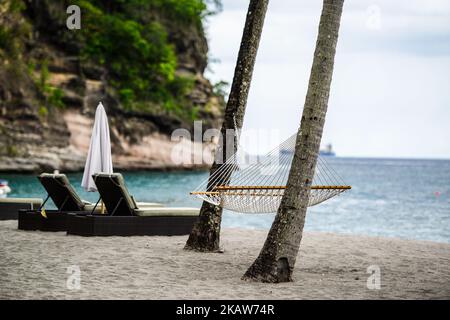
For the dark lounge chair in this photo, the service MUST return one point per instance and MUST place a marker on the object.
(126, 217)
(9, 207)
(65, 199)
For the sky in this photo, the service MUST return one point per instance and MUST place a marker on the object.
(390, 94)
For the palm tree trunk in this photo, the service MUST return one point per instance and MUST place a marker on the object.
(276, 260)
(205, 235)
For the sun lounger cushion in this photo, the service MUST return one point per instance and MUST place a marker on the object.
(90, 207)
(9, 207)
(34, 203)
(141, 205)
(167, 212)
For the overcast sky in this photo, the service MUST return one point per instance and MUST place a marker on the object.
(390, 95)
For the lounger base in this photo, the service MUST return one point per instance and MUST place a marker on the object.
(9, 214)
(94, 225)
(33, 220)
(9, 209)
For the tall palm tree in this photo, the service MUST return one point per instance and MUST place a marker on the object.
(205, 235)
(276, 260)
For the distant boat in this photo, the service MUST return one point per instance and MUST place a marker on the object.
(328, 151)
(4, 188)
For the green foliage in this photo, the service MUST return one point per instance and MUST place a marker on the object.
(127, 96)
(13, 29)
(53, 96)
(188, 11)
(179, 11)
(43, 76)
(12, 151)
(194, 113)
(138, 55)
(128, 37)
(220, 88)
(43, 111)
(16, 6)
(31, 67)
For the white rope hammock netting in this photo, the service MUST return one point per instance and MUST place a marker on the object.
(256, 185)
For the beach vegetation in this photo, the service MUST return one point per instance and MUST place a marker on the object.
(220, 88)
(11, 150)
(133, 41)
(53, 96)
(43, 111)
(136, 50)
(14, 30)
(194, 113)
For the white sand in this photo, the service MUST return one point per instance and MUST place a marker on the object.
(329, 266)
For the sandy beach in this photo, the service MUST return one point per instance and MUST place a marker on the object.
(34, 265)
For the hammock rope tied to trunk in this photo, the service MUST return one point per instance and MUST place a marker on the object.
(256, 185)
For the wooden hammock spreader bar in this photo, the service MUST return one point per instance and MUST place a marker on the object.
(274, 187)
(211, 193)
(226, 188)
(238, 194)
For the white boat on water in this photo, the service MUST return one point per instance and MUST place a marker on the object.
(328, 151)
(4, 189)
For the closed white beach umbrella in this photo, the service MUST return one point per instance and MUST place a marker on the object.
(99, 158)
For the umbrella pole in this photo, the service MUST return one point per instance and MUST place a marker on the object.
(102, 210)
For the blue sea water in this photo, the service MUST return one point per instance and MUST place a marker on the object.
(390, 197)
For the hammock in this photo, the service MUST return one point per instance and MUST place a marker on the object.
(256, 185)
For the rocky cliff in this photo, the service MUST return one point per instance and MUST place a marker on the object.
(52, 78)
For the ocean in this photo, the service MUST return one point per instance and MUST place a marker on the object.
(401, 198)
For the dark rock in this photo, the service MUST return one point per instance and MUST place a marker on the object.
(71, 99)
(92, 71)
